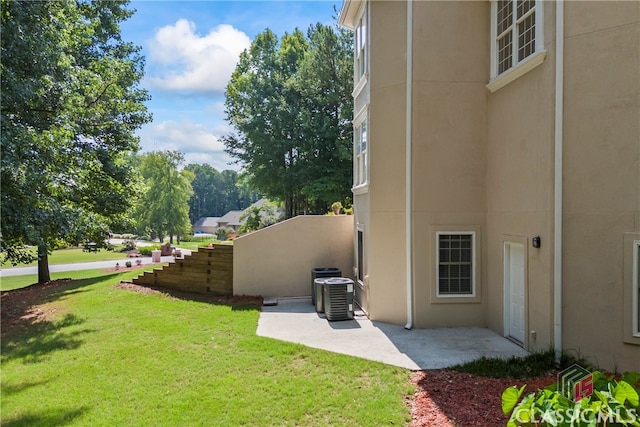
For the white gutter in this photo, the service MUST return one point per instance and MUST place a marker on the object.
(408, 179)
(557, 214)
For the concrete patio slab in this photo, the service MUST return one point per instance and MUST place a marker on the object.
(295, 320)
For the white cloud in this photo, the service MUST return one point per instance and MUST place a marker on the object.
(194, 140)
(185, 61)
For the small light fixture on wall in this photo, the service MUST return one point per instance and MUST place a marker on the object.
(535, 242)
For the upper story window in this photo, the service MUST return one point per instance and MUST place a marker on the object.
(517, 39)
(360, 44)
(360, 167)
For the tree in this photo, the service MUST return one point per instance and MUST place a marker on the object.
(164, 207)
(290, 103)
(70, 107)
(216, 193)
(206, 191)
(325, 81)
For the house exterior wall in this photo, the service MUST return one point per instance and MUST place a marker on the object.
(483, 161)
(284, 270)
(520, 188)
(449, 148)
(382, 214)
(602, 177)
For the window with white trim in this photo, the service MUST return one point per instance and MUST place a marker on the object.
(517, 35)
(360, 256)
(360, 169)
(360, 44)
(635, 284)
(455, 275)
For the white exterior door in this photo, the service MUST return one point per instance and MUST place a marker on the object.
(514, 291)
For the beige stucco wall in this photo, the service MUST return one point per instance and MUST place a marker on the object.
(385, 229)
(520, 167)
(277, 261)
(484, 162)
(602, 176)
(449, 154)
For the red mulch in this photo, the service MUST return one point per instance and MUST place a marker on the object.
(448, 398)
(442, 398)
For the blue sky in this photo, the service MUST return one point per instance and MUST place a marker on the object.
(191, 49)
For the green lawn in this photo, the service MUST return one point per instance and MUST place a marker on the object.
(67, 256)
(108, 356)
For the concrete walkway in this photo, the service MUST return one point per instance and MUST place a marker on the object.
(295, 320)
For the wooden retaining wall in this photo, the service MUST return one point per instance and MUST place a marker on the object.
(205, 271)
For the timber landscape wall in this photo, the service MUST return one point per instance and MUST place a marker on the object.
(205, 271)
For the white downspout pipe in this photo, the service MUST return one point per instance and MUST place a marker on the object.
(557, 214)
(408, 172)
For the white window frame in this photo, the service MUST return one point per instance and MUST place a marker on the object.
(518, 67)
(635, 289)
(361, 151)
(361, 48)
(473, 264)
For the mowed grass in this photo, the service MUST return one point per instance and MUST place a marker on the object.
(106, 356)
(68, 256)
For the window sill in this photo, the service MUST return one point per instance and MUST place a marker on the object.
(516, 72)
(360, 85)
(456, 299)
(360, 189)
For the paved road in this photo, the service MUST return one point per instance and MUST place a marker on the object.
(22, 271)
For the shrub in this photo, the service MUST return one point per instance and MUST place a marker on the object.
(128, 264)
(146, 250)
(223, 233)
(128, 245)
(611, 402)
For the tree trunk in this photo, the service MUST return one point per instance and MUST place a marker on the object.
(171, 238)
(43, 264)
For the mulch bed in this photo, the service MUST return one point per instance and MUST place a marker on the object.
(448, 398)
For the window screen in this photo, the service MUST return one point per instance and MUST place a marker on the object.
(455, 264)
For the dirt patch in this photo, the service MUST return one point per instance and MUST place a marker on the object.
(448, 398)
(22, 307)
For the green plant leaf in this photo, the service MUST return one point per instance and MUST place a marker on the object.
(624, 391)
(510, 398)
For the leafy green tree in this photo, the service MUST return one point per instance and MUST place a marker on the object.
(263, 104)
(216, 193)
(164, 207)
(325, 82)
(70, 106)
(257, 217)
(290, 103)
(206, 191)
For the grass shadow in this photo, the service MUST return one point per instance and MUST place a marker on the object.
(236, 302)
(9, 389)
(19, 306)
(28, 332)
(52, 418)
(42, 338)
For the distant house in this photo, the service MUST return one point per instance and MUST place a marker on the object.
(230, 220)
(210, 224)
(206, 224)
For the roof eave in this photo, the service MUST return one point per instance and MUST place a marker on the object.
(348, 13)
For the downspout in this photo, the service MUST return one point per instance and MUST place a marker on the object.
(408, 172)
(557, 214)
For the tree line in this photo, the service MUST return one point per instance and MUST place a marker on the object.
(290, 104)
(72, 101)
